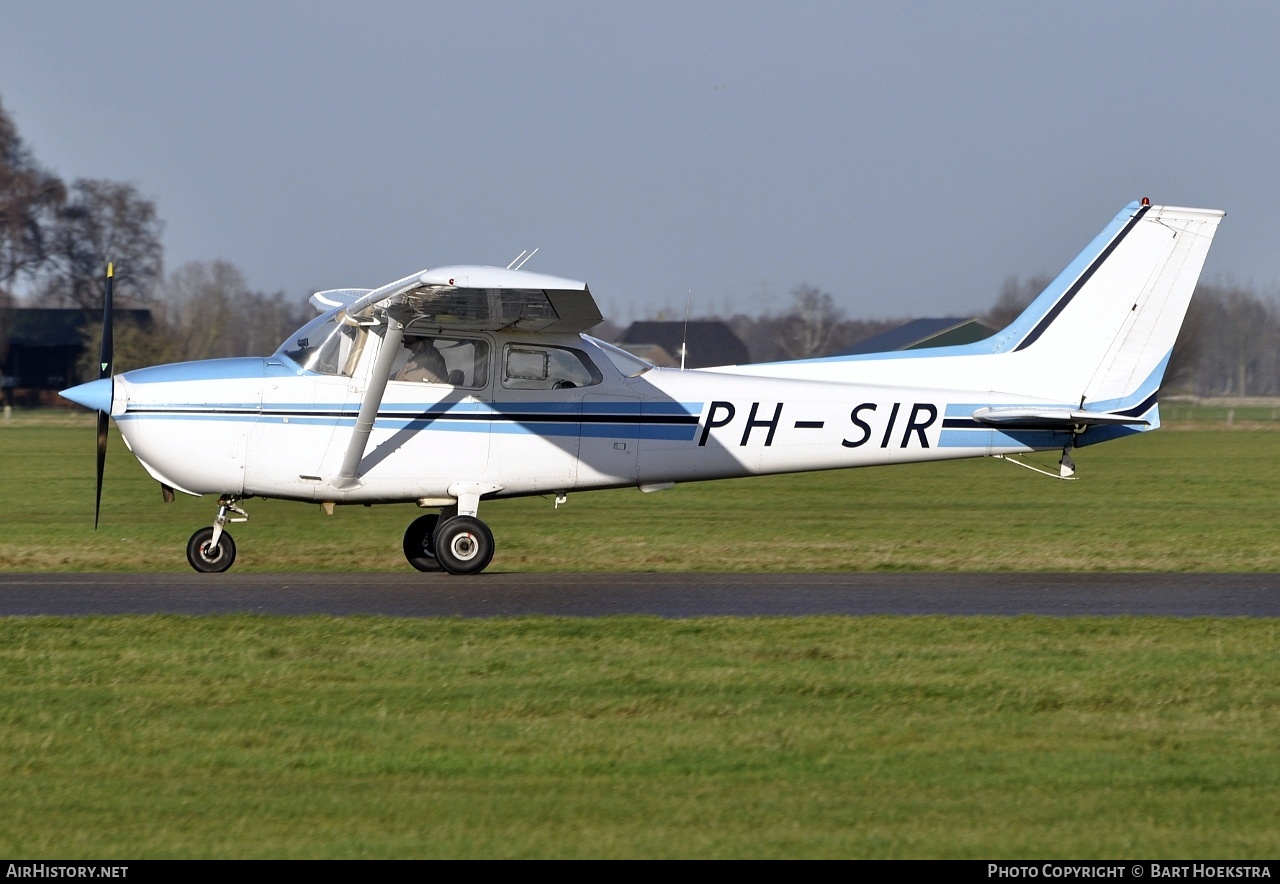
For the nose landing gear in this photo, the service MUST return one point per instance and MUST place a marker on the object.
(208, 557)
(211, 550)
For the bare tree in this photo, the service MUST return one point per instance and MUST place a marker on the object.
(1229, 344)
(134, 345)
(1183, 372)
(759, 334)
(1016, 294)
(29, 201)
(809, 327)
(269, 319)
(210, 311)
(201, 301)
(1240, 336)
(101, 222)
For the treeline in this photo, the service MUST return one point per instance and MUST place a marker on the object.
(1229, 344)
(207, 311)
(812, 326)
(56, 239)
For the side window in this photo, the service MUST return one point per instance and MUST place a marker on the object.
(431, 359)
(531, 367)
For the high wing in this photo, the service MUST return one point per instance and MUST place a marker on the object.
(481, 298)
(470, 297)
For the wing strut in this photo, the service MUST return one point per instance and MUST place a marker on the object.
(391, 339)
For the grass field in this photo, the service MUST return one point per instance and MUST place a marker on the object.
(872, 737)
(244, 736)
(1193, 500)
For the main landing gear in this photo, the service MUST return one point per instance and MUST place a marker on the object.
(448, 542)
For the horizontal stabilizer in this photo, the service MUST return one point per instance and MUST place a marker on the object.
(1051, 418)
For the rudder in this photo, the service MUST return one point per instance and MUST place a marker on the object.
(1107, 324)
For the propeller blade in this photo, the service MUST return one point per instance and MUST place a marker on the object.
(104, 357)
(104, 371)
(104, 420)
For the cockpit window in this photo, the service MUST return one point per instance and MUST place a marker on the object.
(439, 359)
(329, 344)
(629, 364)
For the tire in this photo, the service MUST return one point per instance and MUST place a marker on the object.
(464, 545)
(202, 560)
(418, 548)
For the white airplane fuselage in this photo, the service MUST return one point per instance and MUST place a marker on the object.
(265, 427)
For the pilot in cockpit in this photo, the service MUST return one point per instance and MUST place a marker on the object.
(424, 363)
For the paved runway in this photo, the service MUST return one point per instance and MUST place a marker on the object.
(663, 595)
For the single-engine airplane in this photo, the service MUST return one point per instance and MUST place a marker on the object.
(466, 384)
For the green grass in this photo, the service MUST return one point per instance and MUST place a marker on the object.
(1180, 500)
(853, 737)
(136, 737)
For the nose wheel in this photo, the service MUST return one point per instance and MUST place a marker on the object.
(209, 557)
(211, 550)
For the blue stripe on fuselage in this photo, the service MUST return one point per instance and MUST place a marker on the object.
(673, 421)
(992, 438)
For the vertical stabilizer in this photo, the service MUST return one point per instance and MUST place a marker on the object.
(1104, 329)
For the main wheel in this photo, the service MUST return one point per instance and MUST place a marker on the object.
(210, 559)
(418, 547)
(464, 545)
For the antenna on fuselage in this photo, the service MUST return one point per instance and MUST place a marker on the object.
(684, 338)
(518, 263)
(531, 254)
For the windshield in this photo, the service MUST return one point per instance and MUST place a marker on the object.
(629, 364)
(329, 344)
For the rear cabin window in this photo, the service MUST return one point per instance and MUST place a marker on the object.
(531, 367)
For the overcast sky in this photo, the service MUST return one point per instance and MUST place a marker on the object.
(906, 157)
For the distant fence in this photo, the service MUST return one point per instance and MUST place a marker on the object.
(1231, 412)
